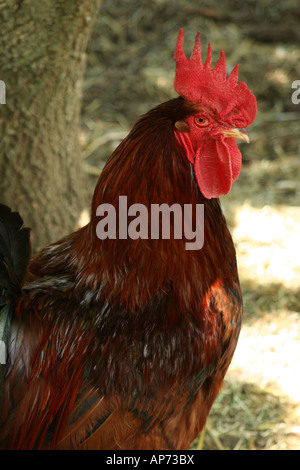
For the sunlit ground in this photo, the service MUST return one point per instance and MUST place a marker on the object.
(268, 252)
(267, 242)
(262, 386)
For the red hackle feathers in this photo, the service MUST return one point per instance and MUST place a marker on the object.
(198, 83)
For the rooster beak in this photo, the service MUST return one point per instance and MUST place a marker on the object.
(241, 134)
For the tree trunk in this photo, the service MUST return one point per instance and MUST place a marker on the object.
(42, 62)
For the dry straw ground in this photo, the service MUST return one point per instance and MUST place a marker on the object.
(131, 69)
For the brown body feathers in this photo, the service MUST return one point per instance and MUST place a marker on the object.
(124, 344)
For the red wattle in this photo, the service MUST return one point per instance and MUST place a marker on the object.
(217, 165)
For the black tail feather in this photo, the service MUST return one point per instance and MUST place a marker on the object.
(15, 250)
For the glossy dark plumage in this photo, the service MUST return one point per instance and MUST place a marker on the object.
(124, 344)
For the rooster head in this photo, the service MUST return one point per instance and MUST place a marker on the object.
(223, 108)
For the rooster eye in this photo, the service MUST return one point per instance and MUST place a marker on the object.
(201, 121)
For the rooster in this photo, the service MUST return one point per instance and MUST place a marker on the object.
(123, 343)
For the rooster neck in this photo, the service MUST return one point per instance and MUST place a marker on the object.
(149, 167)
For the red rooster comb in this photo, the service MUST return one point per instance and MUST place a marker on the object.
(198, 83)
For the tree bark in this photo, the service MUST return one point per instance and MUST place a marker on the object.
(42, 62)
